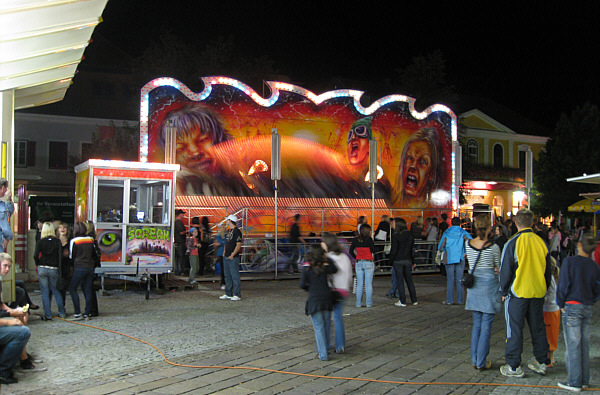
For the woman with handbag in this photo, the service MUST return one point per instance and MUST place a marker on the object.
(341, 281)
(319, 304)
(483, 297)
(48, 258)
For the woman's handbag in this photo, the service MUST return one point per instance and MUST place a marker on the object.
(439, 257)
(468, 279)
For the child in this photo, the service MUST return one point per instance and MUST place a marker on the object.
(552, 313)
(578, 289)
(319, 304)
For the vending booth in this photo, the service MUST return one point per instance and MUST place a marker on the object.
(131, 205)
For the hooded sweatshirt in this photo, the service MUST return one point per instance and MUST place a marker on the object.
(454, 244)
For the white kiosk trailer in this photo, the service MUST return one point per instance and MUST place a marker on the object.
(131, 205)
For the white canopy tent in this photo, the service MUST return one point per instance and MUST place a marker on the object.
(41, 45)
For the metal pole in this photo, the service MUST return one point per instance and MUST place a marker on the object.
(276, 231)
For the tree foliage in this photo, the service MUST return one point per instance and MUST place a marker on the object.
(174, 57)
(573, 149)
(121, 144)
(425, 80)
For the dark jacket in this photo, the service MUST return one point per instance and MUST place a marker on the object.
(384, 226)
(83, 252)
(48, 251)
(402, 246)
(319, 294)
(579, 281)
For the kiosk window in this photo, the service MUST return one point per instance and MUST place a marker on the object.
(110, 201)
(149, 201)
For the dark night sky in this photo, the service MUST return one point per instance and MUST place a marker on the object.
(539, 61)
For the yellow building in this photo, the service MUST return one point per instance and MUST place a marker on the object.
(494, 158)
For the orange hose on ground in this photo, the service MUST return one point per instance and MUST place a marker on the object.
(314, 375)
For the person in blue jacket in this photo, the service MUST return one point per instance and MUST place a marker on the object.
(453, 243)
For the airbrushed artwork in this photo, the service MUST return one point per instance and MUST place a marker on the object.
(223, 142)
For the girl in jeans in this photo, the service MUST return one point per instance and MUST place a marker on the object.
(483, 299)
(362, 249)
(48, 256)
(341, 283)
(84, 255)
(319, 304)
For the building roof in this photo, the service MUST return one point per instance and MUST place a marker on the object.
(506, 116)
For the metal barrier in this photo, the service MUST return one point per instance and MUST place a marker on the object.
(258, 255)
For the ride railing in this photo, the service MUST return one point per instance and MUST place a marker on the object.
(259, 255)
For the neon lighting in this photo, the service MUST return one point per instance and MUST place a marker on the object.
(259, 165)
(128, 165)
(275, 88)
(379, 173)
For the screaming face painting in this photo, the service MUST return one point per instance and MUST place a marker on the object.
(223, 143)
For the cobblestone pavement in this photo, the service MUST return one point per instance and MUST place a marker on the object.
(268, 329)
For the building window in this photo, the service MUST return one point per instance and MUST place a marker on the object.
(472, 151)
(24, 153)
(498, 156)
(20, 153)
(58, 155)
(523, 156)
(86, 151)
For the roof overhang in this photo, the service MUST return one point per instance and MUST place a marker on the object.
(41, 45)
(587, 179)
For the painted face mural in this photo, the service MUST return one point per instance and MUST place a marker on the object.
(223, 142)
(417, 168)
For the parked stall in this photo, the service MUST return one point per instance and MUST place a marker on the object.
(131, 205)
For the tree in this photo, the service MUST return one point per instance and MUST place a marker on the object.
(172, 56)
(120, 143)
(425, 80)
(573, 149)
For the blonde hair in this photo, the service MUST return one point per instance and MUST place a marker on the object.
(48, 230)
(4, 257)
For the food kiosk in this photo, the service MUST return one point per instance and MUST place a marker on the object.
(131, 205)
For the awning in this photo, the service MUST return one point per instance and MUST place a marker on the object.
(41, 45)
(587, 179)
(586, 206)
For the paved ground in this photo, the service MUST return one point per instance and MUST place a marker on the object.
(421, 344)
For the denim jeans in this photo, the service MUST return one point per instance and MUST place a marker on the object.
(85, 277)
(179, 261)
(454, 274)
(338, 320)
(322, 325)
(364, 277)
(12, 341)
(393, 292)
(48, 279)
(480, 337)
(403, 271)
(576, 327)
(232, 276)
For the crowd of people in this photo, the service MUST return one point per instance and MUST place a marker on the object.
(514, 268)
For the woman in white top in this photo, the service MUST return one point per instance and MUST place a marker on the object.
(484, 297)
(341, 281)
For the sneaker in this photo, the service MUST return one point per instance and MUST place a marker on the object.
(539, 368)
(76, 317)
(566, 386)
(87, 317)
(8, 380)
(340, 350)
(223, 287)
(193, 282)
(27, 366)
(399, 304)
(236, 298)
(446, 303)
(223, 297)
(34, 359)
(415, 303)
(506, 370)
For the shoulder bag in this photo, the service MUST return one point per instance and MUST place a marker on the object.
(468, 279)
